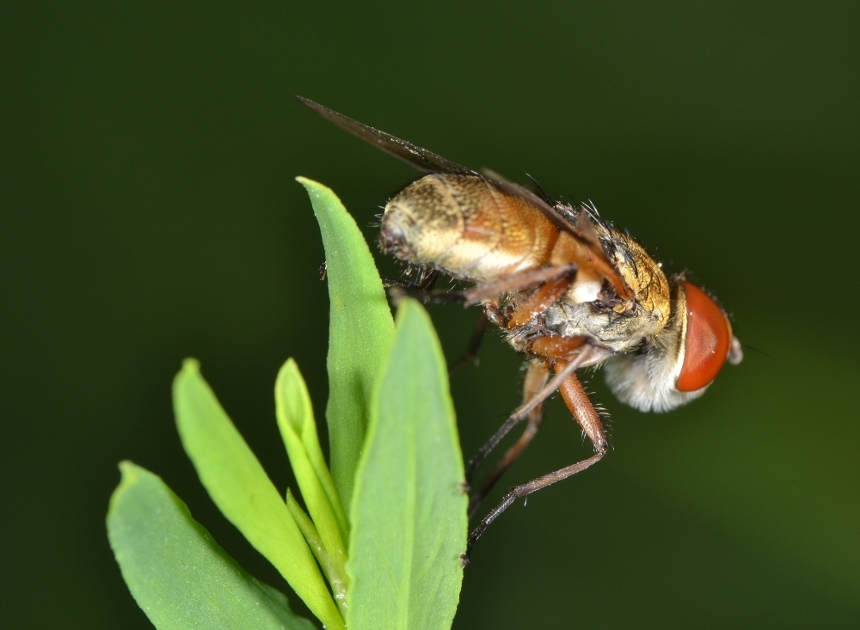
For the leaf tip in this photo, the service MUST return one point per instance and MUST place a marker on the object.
(189, 371)
(128, 471)
(129, 477)
(313, 187)
(190, 366)
(410, 312)
(288, 371)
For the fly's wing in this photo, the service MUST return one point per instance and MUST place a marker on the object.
(428, 162)
(422, 159)
(517, 190)
(583, 232)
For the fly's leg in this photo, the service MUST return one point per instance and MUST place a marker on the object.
(563, 371)
(556, 282)
(550, 293)
(583, 410)
(424, 285)
(481, 292)
(474, 345)
(517, 282)
(536, 378)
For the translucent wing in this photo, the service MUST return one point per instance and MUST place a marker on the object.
(583, 232)
(428, 162)
(422, 159)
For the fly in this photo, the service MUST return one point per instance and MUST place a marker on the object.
(568, 290)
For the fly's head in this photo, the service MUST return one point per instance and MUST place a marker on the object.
(678, 363)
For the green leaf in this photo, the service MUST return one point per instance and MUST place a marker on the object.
(360, 332)
(409, 510)
(335, 572)
(298, 429)
(176, 571)
(240, 488)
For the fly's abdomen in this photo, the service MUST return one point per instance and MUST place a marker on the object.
(466, 227)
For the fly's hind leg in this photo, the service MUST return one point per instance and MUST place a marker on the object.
(537, 390)
(522, 412)
(586, 415)
(536, 377)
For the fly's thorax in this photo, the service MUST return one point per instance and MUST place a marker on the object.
(643, 275)
(607, 328)
(466, 227)
(619, 326)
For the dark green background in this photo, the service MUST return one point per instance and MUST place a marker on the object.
(149, 213)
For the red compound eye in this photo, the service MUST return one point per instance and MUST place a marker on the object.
(707, 344)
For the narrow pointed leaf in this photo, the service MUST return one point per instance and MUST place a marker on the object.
(335, 572)
(360, 332)
(243, 492)
(177, 573)
(299, 431)
(409, 509)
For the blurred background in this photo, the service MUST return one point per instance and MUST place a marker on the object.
(148, 212)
